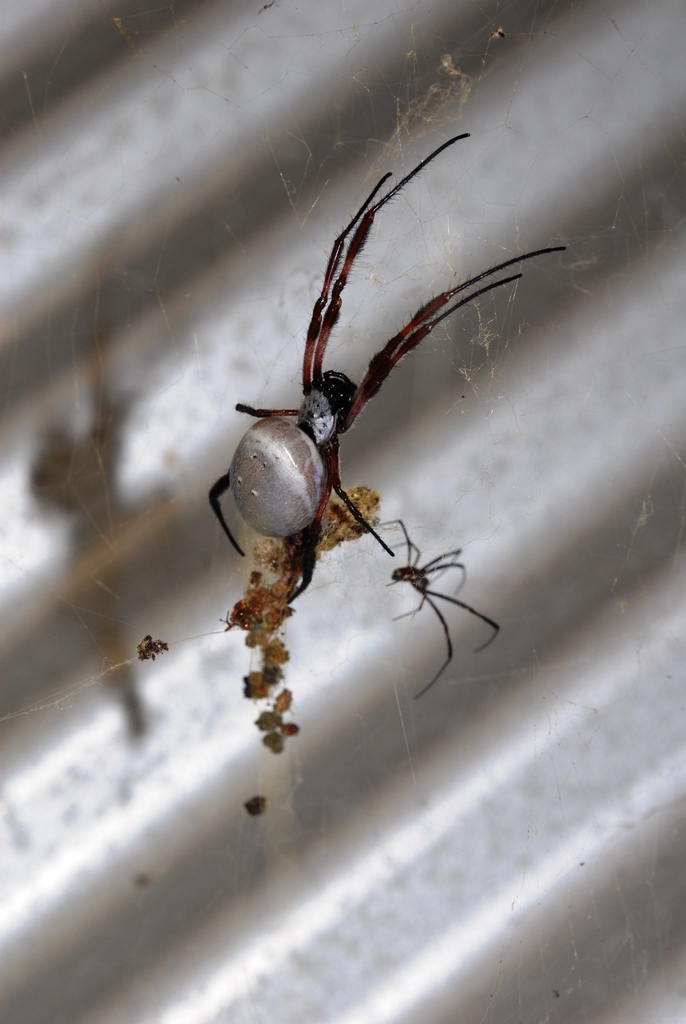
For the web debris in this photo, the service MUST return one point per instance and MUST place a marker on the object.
(264, 608)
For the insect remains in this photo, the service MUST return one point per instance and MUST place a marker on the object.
(420, 578)
(287, 464)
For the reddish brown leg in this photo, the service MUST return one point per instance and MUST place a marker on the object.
(331, 267)
(335, 478)
(421, 324)
(319, 331)
(404, 341)
(311, 533)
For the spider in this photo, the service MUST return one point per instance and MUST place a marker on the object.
(419, 576)
(283, 472)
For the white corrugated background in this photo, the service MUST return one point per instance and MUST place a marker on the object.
(509, 848)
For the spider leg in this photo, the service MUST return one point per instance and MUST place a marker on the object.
(320, 330)
(311, 533)
(434, 564)
(331, 268)
(216, 491)
(484, 618)
(262, 413)
(404, 341)
(413, 611)
(421, 324)
(413, 553)
(447, 639)
(335, 478)
(436, 569)
(311, 539)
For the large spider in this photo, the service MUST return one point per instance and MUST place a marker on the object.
(282, 473)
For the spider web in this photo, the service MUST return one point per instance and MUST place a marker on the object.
(508, 848)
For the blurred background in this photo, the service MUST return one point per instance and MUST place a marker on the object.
(510, 847)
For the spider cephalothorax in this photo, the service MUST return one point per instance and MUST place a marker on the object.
(283, 472)
(323, 410)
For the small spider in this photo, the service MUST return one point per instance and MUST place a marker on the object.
(282, 473)
(419, 577)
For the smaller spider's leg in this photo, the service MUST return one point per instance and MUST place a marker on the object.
(447, 639)
(467, 607)
(412, 611)
(335, 482)
(436, 572)
(216, 491)
(438, 566)
(413, 553)
(357, 242)
(438, 563)
(262, 413)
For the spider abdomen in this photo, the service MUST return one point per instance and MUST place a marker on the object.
(277, 477)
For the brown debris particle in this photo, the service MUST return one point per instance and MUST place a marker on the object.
(339, 526)
(148, 648)
(274, 741)
(283, 702)
(255, 805)
(263, 609)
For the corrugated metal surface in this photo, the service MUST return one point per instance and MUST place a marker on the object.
(508, 848)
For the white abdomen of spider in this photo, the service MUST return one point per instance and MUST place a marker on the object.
(277, 477)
